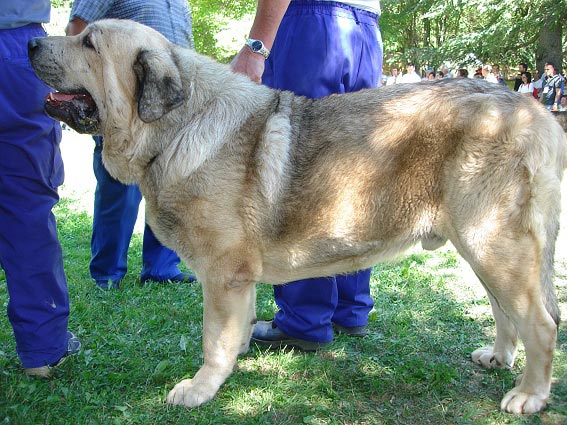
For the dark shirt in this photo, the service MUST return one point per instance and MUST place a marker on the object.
(549, 91)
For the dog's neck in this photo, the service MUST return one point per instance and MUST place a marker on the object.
(184, 142)
(199, 135)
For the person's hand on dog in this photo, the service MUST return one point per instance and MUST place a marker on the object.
(264, 28)
(249, 63)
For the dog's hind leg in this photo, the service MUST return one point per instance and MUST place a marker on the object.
(511, 270)
(228, 319)
(503, 353)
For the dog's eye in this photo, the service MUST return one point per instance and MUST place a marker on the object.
(87, 42)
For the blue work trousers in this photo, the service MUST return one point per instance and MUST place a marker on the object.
(31, 169)
(115, 212)
(323, 48)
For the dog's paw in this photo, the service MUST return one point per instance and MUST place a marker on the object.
(518, 402)
(488, 359)
(187, 394)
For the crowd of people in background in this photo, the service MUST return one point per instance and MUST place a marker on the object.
(548, 88)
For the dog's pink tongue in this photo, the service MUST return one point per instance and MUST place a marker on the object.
(62, 97)
(57, 99)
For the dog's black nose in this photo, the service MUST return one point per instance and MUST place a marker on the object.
(33, 44)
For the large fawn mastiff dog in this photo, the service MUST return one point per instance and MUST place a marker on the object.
(250, 184)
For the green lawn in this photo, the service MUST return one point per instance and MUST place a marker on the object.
(413, 367)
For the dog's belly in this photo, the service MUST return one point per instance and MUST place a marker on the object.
(283, 264)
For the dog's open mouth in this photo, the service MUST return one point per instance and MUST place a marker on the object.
(79, 110)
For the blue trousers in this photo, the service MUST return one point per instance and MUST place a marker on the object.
(115, 212)
(31, 169)
(323, 48)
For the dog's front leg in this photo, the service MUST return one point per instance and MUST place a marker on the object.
(228, 317)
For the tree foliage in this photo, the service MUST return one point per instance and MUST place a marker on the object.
(467, 33)
(210, 16)
(429, 32)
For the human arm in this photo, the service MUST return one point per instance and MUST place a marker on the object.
(557, 99)
(75, 26)
(269, 14)
(84, 12)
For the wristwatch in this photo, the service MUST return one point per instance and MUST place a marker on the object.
(258, 47)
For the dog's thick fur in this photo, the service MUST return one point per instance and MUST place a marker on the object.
(250, 184)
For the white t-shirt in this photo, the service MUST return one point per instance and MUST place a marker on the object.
(411, 78)
(393, 80)
(526, 88)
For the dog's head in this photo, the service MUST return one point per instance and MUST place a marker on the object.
(113, 73)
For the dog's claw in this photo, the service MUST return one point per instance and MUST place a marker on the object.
(488, 359)
(519, 402)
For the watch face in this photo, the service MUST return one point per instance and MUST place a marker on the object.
(256, 45)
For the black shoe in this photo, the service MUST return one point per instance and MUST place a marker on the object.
(106, 285)
(358, 331)
(267, 334)
(178, 278)
(73, 347)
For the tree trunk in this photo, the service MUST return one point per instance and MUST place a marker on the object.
(549, 45)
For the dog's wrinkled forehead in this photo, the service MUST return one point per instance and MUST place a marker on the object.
(115, 34)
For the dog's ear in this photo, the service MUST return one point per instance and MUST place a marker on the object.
(159, 84)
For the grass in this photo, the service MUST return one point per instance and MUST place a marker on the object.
(413, 367)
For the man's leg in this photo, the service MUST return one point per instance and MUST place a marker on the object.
(306, 308)
(161, 264)
(31, 256)
(115, 212)
(31, 169)
(354, 303)
(329, 61)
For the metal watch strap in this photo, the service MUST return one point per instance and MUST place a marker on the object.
(257, 46)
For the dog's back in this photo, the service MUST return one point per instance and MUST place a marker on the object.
(372, 170)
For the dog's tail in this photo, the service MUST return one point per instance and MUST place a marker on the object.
(547, 163)
(547, 269)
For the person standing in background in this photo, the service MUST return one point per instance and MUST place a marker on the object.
(538, 83)
(395, 78)
(429, 74)
(288, 49)
(488, 75)
(527, 86)
(522, 69)
(446, 72)
(498, 75)
(31, 170)
(552, 88)
(410, 76)
(116, 204)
